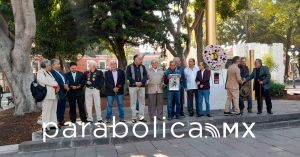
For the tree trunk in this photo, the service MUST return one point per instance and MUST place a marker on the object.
(199, 38)
(118, 49)
(288, 45)
(16, 64)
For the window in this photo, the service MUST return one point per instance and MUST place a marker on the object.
(102, 65)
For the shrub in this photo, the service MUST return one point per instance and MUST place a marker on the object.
(277, 89)
(269, 61)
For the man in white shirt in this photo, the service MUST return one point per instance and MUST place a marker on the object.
(191, 86)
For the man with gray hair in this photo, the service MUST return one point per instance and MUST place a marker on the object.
(137, 77)
(94, 81)
(63, 88)
(155, 90)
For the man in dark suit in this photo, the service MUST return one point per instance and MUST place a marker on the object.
(63, 88)
(262, 85)
(114, 83)
(76, 93)
(202, 80)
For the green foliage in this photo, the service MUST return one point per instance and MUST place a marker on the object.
(264, 21)
(7, 13)
(268, 61)
(277, 89)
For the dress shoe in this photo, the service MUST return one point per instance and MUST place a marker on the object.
(61, 123)
(191, 114)
(200, 115)
(100, 121)
(143, 120)
(259, 112)
(133, 120)
(227, 113)
(122, 120)
(160, 119)
(107, 121)
(208, 115)
(270, 112)
(239, 114)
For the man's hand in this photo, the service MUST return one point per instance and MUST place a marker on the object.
(116, 89)
(88, 82)
(260, 82)
(198, 83)
(201, 86)
(66, 87)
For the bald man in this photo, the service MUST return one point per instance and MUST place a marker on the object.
(114, 81)
(155, 91)
(137, 76)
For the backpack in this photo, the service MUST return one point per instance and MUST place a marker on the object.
(38, 92)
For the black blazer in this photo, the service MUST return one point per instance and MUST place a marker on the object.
(79, 81)
(110, 83)
(203, 80)
(98, 82)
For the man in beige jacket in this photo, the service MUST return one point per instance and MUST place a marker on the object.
(155, 91)
(232, 86)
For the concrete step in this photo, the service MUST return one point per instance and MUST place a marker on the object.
(264, 121)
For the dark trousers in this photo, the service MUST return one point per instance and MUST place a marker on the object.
(79, 100)
(173, 97)
(191, 94)
(241, 102)
(61, 106)
(260, 93)
(181, 100)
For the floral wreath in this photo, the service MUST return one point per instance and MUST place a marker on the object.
(215, 57)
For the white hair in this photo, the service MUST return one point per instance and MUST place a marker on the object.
(92, 63)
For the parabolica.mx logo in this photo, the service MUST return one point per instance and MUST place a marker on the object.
(194, 130)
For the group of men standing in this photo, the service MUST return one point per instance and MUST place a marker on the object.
(83, 89)
(238, 76)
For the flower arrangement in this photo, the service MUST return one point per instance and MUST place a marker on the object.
(215, 57)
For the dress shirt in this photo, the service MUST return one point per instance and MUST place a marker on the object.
(74, 76)
(190, 75)
(115, 76)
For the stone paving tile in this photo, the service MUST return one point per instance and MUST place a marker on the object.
(64, 153)
(224, 148)
(205, 149)
(187, 149)
(283, 154)
(126, 148)
(43, 154)
(85, 152)
(166, 149)
(23, 155)
(291, 146)
(145, 148)
(106, 151)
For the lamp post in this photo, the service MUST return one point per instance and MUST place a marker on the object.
(293, 53)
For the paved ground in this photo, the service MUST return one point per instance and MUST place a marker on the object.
(268, 143)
